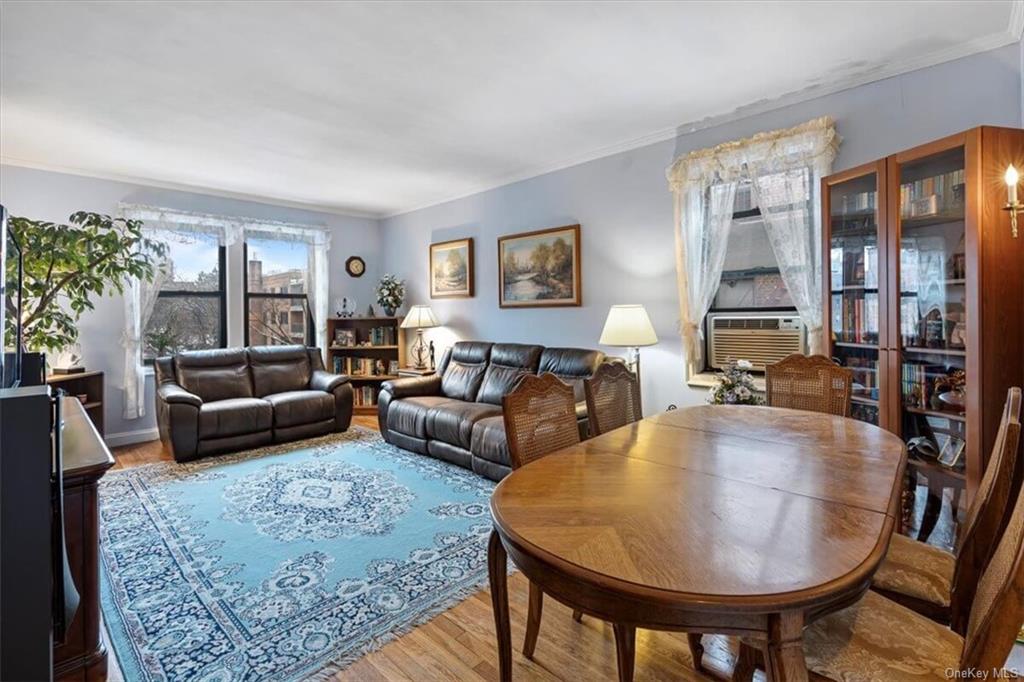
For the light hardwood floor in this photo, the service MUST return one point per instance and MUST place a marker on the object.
(460, 645)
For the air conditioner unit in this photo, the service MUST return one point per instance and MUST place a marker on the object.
(759, 338)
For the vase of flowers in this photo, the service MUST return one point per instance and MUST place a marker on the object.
(390, 294)
(735, 386)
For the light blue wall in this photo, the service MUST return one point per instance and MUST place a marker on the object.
(54, 196)
(624, 207)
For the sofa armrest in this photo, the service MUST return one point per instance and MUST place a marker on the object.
(175, 394)
(413, 386)
(322, 380)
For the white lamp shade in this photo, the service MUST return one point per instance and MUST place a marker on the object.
(628, 325)
(420, 317)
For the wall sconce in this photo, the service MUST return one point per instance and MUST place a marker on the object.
(1012, 204)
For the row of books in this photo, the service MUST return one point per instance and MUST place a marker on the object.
(855, 318)
(364, 396)
(929, 196)
(368, 367)
(854, 267)
(918, 383)
(384, 336)
(855, 203)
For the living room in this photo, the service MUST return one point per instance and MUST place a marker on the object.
(296, 276)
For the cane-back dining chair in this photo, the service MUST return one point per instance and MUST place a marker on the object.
(613, 398)
(813, 383)
(940, 584)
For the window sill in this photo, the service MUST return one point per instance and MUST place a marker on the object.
(710, 380)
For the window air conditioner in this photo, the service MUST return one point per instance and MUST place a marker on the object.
(759, 338)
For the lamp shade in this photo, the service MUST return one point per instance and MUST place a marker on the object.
(628, 325)
(420, 317)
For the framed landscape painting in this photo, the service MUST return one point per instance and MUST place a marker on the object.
(540, 269)
(451, 269)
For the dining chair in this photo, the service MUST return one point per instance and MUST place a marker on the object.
(880, 640)
(809, 382)
(939, 584)
(613, 398)
(540, 418)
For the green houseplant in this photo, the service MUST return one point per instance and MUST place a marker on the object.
(390, 294)
(66, 266)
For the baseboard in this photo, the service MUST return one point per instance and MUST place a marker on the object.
(115, 440)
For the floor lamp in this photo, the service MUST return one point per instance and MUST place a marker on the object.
(628, 326)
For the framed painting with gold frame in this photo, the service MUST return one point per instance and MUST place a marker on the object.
(540, 269)
(451, 269)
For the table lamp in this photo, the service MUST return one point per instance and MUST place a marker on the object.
(629, 326)
(420, 317)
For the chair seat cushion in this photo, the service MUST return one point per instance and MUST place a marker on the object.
(917, 570)
(452, 422)
(294, 408)
(234, 416)
(489, 441)
(408, 416)
(878, 639)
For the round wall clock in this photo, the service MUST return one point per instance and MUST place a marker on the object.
(355, 266)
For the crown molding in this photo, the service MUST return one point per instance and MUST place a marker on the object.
(191, 189)
(1011, 35)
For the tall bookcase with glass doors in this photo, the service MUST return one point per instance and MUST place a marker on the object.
(924, 295)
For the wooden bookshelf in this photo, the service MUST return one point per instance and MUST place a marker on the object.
(88, 384)
(368, 349)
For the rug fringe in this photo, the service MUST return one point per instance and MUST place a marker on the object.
(328, 672)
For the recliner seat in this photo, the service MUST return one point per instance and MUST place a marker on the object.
(214, 401)
(456, 414)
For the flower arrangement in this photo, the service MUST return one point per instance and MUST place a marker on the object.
(390, 294)
(735, 386)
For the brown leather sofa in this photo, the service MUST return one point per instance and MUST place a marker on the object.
(214, 401)
(455, 414)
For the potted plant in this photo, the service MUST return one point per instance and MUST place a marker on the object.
(390, 294)
(735, 386)
(66, 266)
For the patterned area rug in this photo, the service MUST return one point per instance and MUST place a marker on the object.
(284, 563)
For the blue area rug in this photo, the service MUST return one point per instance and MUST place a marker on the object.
(284, 563)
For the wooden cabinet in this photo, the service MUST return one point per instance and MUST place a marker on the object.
(924, 294)
(369, 350)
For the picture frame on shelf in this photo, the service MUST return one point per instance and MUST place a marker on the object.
(345, 338)
(540, 269)
(451, 269)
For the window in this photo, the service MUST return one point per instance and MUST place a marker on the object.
(190, 310)
(277, 284)
(751, 295)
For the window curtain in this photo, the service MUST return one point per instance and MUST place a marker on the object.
(317, 286)
(784, 168)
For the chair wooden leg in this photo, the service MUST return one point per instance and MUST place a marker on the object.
(696, 650)
(625, 650)
(533, 620)
(577, 616)
(746, 663)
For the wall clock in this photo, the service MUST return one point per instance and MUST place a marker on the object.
(355, 266)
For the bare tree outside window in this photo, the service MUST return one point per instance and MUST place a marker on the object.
(276, 292)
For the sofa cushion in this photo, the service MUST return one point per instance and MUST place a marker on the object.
(452, 422)
(214, 374)
(293, 408)
(279, 369)
(234, 416)
(509, 361)
(465, 370)
(409, 415)
(571, 365)
(488, 441)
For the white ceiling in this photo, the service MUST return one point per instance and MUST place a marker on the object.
(380, 107)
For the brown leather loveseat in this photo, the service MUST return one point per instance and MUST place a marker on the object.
(214, 401)
(455, 414)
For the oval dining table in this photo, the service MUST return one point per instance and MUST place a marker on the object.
(736, 520)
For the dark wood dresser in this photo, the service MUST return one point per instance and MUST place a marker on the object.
(82, 655)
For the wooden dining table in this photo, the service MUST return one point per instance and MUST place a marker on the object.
(736, 520)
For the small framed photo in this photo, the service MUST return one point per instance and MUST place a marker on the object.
(345, 337)
(540, 269)
(393, 367)
(952, 449)
(451, 269)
